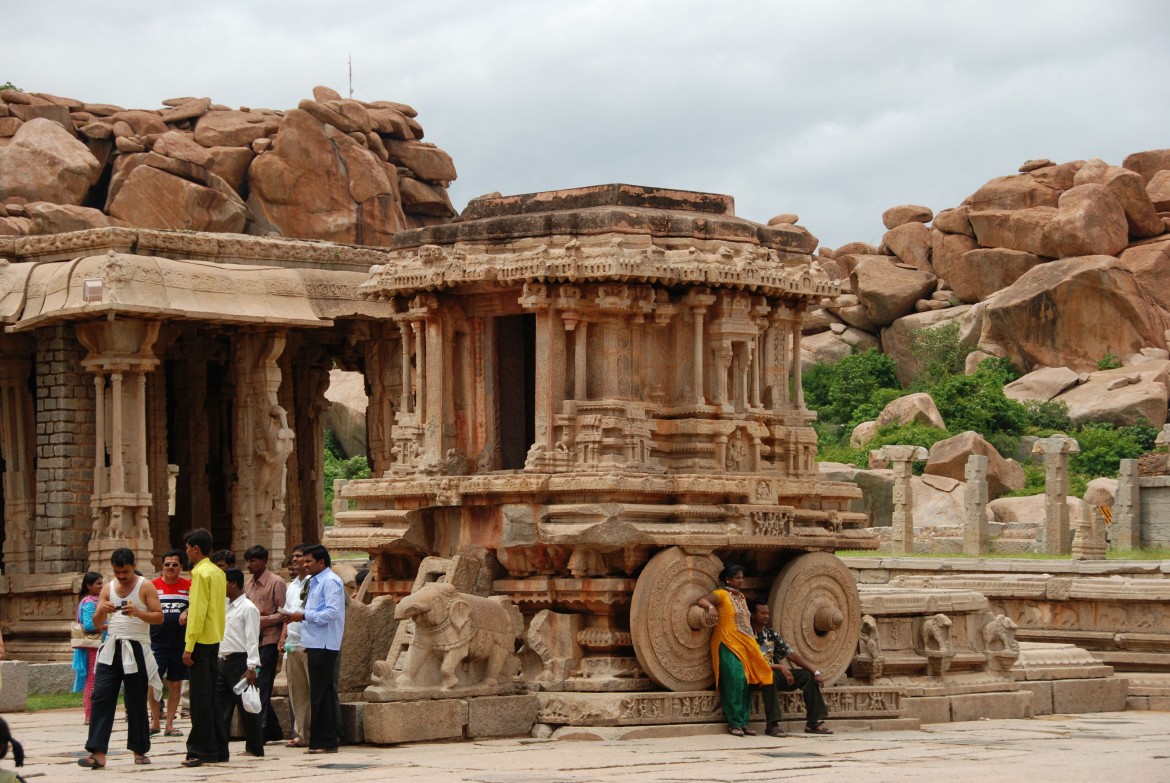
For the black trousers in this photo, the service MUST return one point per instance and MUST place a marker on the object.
(208, 738)
(108, 679)
(323, 698)
(231, 669)
(814, 702)
(269, 655)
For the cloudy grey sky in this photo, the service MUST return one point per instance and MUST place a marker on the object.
(833, 109)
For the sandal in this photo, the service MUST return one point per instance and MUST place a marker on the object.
(155, 731)
(141, 758)
(295, 743)
(817, 728)
(749, 732)
(173, 733)
(192, 762)
(319, 751)
(735, 731)
(775, 731)
(89, 762)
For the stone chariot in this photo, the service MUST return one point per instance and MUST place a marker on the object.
(597, 392)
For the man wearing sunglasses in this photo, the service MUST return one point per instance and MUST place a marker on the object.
(166, 640)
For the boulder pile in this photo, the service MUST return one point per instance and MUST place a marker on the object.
(333, 168)
(1057, 265)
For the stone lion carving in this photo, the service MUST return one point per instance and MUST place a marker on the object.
(452, 628)
(999, 640)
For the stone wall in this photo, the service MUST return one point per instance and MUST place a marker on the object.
(65, 450)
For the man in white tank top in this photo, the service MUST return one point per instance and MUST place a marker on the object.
(131, 604)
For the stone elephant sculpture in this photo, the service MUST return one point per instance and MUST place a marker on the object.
(453, 628)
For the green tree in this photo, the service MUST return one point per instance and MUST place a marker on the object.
(10, 86)
(938, 354)
(839, 392)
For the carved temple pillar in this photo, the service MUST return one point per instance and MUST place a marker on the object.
(388, 387)
(262, 442)
(18, 447)
(550, 363)
(1126, 529)
(1055, 450)
(121, 353)
(797, 382)
(778, 340)
(901, 460)
(698, 300)
(432, 357)
(976, 535)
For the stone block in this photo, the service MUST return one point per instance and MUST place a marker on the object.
(46, 678)
(1098, 695)
(928, 709)
(996, 706)
(392, 722)
(501, 716)
(1041, 696)
(14, 693)
(353, 721)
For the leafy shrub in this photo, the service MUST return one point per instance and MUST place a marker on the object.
(1103, 446)
(1047, 416)
(939, 354)
(337, 466)
(836, 391)
(976, 402)
(1109, 362)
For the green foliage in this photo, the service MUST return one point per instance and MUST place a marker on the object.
(1109, 362)
(1033, 481)
(938, 353)
(976, 402)
(916, 434)
(10, 86)
(1103, 446)
(1047, 417)
(839, 391)
(337, 466)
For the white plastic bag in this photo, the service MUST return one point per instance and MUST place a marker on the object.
(249, 695)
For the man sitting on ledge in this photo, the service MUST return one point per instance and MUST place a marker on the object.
(806, 678)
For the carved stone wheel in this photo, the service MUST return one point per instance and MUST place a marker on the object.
(673, 654)
(815, 607)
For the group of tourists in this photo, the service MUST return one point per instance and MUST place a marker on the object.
(220, 633)
(748, 654)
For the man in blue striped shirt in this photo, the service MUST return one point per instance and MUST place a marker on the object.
(322, 626)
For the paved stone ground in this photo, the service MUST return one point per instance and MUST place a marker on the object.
(1121, 747)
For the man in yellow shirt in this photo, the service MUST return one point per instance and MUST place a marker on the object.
(208, 740)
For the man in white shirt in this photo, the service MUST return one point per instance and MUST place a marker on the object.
(239, 658)
(296, 662)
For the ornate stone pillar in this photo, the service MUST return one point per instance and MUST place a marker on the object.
(1055, 450)
(387, 378)
(797, 382)
(976, 539)
(902, 460)
(262, 442)
(18, 445)
(1127, 514)
(121, 352)
(698, 300)
(550, 363)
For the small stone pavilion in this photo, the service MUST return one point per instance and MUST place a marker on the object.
(155, 381)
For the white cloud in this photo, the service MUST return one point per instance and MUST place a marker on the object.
(834, 110)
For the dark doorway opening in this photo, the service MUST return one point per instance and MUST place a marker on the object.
(516, 349)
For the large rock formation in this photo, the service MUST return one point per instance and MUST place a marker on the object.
(334, 169)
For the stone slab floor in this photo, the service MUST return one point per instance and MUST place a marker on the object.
(1125, 747)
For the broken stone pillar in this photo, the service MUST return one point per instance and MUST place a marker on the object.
(1127, 518)
(976, 537)
(1163, 439)
(901, 460)
(1089, 543)
(1055, 450)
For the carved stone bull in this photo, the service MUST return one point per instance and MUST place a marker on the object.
(453, 627)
